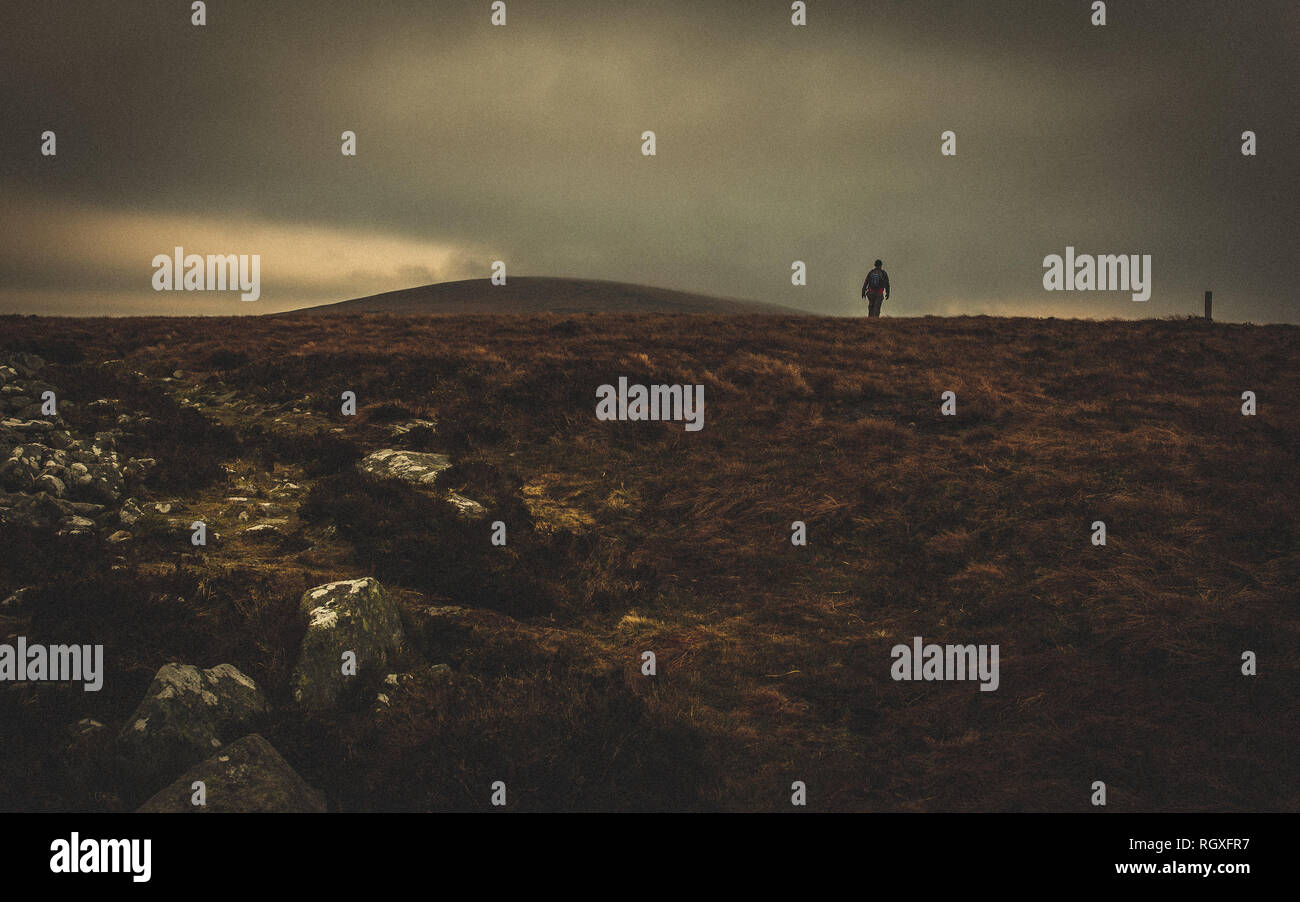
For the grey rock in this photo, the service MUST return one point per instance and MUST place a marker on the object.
(186, 715)
(420, 470)
(30, 427)
(400, 429)
(412, 467)
(130, 513)
(138, 466)
(18, 600)
(24, 364)
(51, 485)
(352, 615)
(105, 485)
(247, 776)
(467, 507)
(17, 475)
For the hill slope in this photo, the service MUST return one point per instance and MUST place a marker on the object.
(541, 294)
(1118, 662)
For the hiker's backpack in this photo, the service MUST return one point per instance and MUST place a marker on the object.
(876, 280)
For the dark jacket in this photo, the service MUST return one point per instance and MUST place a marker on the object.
(885, 287)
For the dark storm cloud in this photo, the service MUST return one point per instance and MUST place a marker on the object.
(775, 144)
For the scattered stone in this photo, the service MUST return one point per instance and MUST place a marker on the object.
(118, 537)
(138, 466)
(79, 475)
(27, 427)
(50, 485)
(466, 507)
(105, 485)
(17, 600)
(286, 490)
(25, 364)
(263, 532)
(130, 512)
(400, 429)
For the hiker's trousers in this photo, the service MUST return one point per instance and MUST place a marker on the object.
(873, 303)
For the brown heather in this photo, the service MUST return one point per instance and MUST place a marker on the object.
(1118, 663)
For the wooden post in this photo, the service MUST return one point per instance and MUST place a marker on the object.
(1209, 301)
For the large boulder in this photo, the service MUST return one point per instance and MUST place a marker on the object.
(355, 615)
(185, 716)
(246, 776)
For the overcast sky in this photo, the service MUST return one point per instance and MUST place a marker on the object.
(775, 143)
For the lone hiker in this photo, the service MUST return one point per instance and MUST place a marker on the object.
(875, 288)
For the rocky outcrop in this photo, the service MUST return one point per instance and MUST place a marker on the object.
(41, 456)
(353, 615)
(186, 715)
(246, 776)
(415, 468)
(421, 470)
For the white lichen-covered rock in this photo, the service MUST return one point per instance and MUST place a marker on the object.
(400, 429)
(130, 512)
(466, 507)
(187, 714)
(353, 615)
(246, 776)
(414, 467)
(264, 532)
(27, 427)
(421, 470)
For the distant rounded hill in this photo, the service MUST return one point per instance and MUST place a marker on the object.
(542, 294)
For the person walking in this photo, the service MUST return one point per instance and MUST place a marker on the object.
(875, 289)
